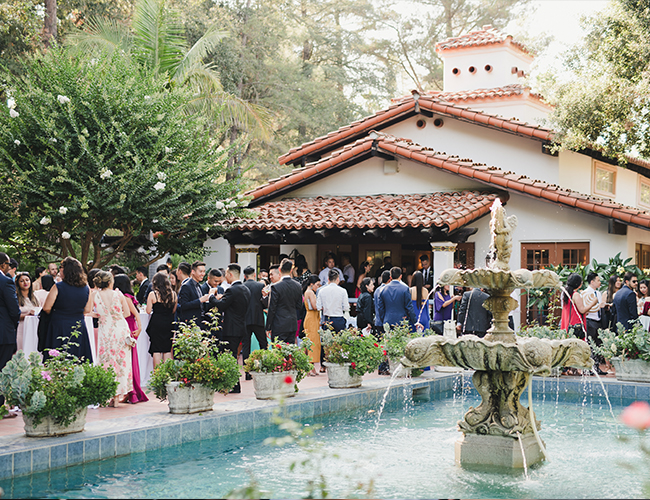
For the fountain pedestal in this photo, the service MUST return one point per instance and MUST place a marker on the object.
(498, 451)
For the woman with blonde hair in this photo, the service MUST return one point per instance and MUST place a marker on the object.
(114, 336)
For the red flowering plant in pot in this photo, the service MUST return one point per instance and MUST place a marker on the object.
(361, 351)
(272, 367)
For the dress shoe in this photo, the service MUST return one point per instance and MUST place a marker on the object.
(249, 376)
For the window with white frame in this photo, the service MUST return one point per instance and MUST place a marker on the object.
(604, 179)
(644, 193)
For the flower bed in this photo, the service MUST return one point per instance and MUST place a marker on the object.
(362, 351)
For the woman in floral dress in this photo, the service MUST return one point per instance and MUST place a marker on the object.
(114, 336)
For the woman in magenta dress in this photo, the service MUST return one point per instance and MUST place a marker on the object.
(123, 284)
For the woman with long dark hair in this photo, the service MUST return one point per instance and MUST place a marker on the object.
(574, 307)
(419, 300)
(609, 311)
(123, 284)
(29, 304)
(312, 319)
(443, 305)
(364, 269)
(365, 304)
(67, 303)
(161, 304)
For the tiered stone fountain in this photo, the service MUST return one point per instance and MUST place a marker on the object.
(499, 431)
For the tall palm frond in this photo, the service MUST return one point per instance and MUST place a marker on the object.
(200, 50)
(105, 34)
(158, 39)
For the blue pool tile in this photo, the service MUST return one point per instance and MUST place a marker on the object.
(307, 409)
(153, 439)
(325, 406)
(40, 459)
(628, 391)
(59, 456)
(138, 441)
(75, 452)
(123, 443)
(210, 428)
(228, 425)
(91, 449)
(643, 392)
(316, 405)
(335, 404)
(170, 435)
(6, 466)
(191, 431)
(22, 462)
(107, 447)
(613, 390)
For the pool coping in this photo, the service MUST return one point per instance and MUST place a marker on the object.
(20, 455)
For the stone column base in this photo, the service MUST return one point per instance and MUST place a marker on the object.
(501, 451)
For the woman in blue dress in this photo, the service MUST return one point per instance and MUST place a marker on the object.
(419, 300)
(67, 303)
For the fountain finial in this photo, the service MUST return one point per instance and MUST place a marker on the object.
(501, 228)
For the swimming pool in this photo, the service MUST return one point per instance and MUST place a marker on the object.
(411, 455)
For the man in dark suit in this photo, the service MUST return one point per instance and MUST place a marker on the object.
(191, 300)
(254, 315)
(473, 318)
(142, 279)
(625, 302)
(213, 281)
(285, 299)
(388, 265)
(233, 304)
(394, 301)
(427, 272)
(9, 315)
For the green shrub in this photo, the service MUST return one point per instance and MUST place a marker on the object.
(633, 344)
(351, 346)
(281, 357)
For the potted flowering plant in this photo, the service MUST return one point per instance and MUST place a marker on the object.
(395, 340)
(54, 396)
(270, 368)
(350, 354)
(629, 352)
(197, 371)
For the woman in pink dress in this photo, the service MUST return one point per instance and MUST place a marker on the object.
(123, 284)
(114, 339)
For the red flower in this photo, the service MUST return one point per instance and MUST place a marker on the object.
(354, 365)
(288, 379)
(637, 415)
(376, 344)
(385, 353)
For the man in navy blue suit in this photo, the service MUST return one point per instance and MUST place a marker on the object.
(625, 302)
(9, 315)
(191, 299)
(394, 302)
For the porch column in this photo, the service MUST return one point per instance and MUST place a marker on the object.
(443, 257)
(247, 256)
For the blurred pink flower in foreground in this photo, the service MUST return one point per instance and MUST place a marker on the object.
(637, 415)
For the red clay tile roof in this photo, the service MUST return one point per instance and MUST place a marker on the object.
(505, 92)
(405, 107)
(491, 176)
(452, 210)
(479, 38)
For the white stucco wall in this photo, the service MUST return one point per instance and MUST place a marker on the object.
(527, 110)
(218, 253)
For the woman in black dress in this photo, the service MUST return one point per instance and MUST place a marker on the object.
(67, 303)
(161, 304)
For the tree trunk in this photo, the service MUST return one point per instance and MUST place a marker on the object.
(50, 24)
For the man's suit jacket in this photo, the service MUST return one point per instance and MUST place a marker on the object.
(394, 304)
(142, 295)
(472, 316)
(234, 306)
(625, 304)
(190, 306)
(285, 300)
(429, 278)
(205, 288)
(9, 310)
(254, 315)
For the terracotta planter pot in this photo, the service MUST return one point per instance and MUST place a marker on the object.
(338, 376)
(48, 427)
(189, 399)
(632, 370)
(268, 385)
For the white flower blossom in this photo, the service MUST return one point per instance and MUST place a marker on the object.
(106, 174)
(220, 205)
(13, 113)
(63, 210)
(232, 204)
(620, 270)
(147, 97)
(168, 150)
(158, 186)
(45, 221)
(224, 211)
(40, 10)
(11, 103)
(94, 61)
(155, 221)
(65, 235)
(17, 142)
(63, 99)
(53, 139)
(161, 176)
(240, 196)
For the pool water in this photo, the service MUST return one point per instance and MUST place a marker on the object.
(410, 454)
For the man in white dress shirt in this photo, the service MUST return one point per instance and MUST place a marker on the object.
(330, 264)
(332, 302)
(593, 316)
